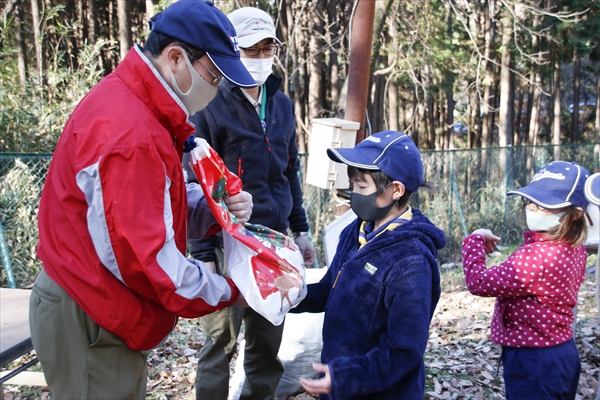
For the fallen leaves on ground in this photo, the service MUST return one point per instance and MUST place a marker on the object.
(462, 363)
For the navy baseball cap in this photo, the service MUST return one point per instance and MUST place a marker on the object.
(392, 152)
(592, 189)
(557, 185)
(200, 24)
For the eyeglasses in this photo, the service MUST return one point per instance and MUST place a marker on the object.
(193, 58)
(217, 79)
(527, 202)
(267, 51)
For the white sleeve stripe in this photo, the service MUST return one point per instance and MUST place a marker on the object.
(191, 280)
(88, 181)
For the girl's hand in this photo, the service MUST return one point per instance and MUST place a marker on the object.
(490, 239)
(318, 386)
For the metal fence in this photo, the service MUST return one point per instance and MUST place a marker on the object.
(470, 188)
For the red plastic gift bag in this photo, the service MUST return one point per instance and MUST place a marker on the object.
(265, 265)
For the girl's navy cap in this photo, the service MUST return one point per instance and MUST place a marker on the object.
(392, 152)
(200, 24)
(557, 185)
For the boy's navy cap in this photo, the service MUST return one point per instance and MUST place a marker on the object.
(200, 24)
(557, 185)
(592, 189)
(392, 152)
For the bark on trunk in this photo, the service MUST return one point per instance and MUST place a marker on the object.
(315, 103)
(125, 41)
(21, 44)
(506, 117)
(557, 111)
(37, 36)
(487, 127)
(576, 92)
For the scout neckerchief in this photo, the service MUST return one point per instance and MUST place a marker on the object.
(366, 232)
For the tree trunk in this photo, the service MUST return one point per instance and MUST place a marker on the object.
(21, 45)
(333, 35)
(125, 41)
(315, 100)
(449, 90)
(92, 21)
(149, 10)
(557, 111)
(37, 35)
(576, 92)
(518, 134)
(393, 106)
(487, 126)
(507, 101)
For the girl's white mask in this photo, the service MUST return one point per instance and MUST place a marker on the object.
(259, 68)
(541, 223)
(200, 93)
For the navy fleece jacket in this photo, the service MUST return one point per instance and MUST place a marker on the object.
(267, 164)
(377, 316)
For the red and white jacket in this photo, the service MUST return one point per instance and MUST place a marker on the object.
(112, 218)
(535, 289)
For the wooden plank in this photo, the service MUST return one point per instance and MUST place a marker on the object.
(15, 337)
(26, 378)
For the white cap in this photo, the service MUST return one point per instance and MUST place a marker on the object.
(252, 25)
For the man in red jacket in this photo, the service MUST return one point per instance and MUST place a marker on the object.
(113, 218)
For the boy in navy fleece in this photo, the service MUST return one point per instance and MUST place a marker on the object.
(383, 285)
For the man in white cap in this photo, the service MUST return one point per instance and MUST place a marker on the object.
(113, 214)
(254, 132)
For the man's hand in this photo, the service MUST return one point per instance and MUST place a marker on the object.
(490, 239)
(307, 250)
(318, 386)
(240, 205)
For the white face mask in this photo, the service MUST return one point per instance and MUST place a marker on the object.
(259, 68)
(540, 223)
(200, 93)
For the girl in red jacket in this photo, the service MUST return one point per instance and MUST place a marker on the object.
(536, 287)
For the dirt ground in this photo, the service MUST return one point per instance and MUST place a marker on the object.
(461, 361)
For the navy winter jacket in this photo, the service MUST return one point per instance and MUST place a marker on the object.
(378, 304)
(267, 164)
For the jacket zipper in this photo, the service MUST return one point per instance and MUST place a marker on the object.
(338, 276)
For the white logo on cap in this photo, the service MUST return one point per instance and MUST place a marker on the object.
(234, 41)
(544, 173)
(374, 139)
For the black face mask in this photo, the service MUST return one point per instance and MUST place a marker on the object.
(364, 206)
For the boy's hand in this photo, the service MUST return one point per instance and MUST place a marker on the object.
(318, 386)
(490, 239)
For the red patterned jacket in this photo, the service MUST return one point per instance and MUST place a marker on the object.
(535, 289)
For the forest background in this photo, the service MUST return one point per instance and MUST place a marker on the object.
(450, 73)
(453, 74)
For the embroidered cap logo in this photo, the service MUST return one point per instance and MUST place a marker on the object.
(543, 174)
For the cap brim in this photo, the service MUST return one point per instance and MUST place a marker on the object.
(251, 40)
(592, 189)
(352, 157)
(540, 197)
(233, 70)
